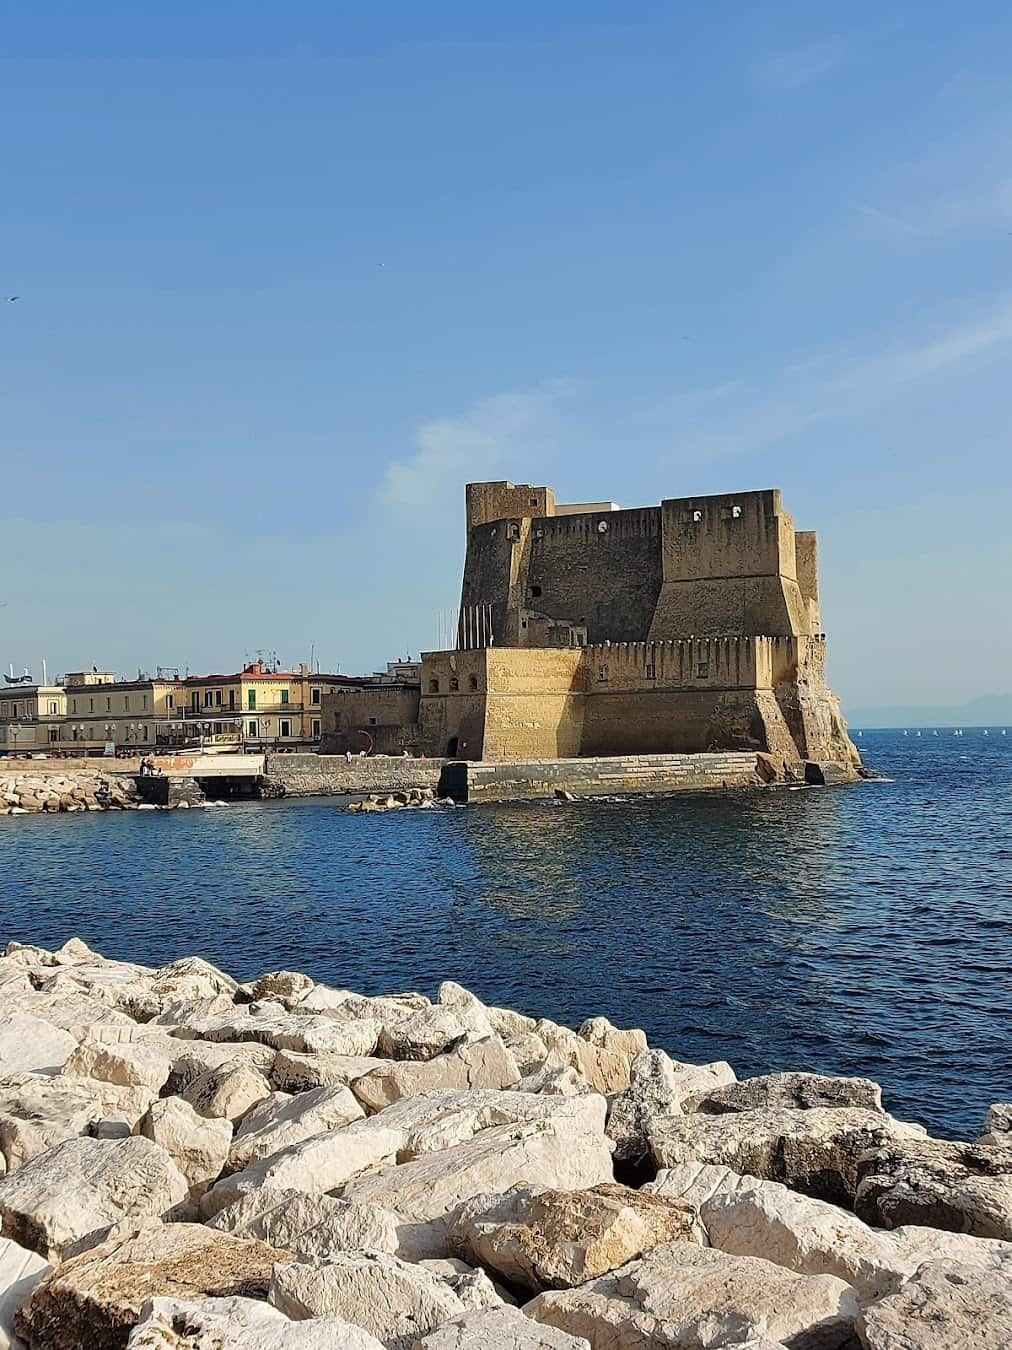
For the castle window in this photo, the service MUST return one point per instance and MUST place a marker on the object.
(454, 684)
(651, 673)
(735, 512)
(534, 501)
(433, 686)
(602, 527)
(702, 670)
(472, 683)
(535, 592)
(697, 516)
(523, 623)
(602, 672)
(372, 721)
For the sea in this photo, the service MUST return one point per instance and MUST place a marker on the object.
(847, 930)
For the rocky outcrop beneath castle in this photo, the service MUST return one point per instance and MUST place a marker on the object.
(193, 1162)
(31, 790)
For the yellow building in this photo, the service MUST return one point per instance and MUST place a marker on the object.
(256, 708)
(127, 714)
(31, 717)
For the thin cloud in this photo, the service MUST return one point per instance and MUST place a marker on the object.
(495, 433)
(809, 394)
(790, 70)
(983, 210)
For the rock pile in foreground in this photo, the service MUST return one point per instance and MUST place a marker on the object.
(193, 1164)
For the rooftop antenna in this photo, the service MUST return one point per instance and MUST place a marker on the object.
(45, 677)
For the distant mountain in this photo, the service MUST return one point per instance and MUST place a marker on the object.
(990, 710)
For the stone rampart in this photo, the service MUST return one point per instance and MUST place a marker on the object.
(482, 781)
(334, 775)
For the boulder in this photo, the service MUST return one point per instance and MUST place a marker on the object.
(196, 1058)
(944, 1307)
(30, 1045)
(130, 1064)
(238, 1324)
(600, 1032)
(312, 1226)
(323, 1162)
(227, 1093)
(392, 1300)
(287, 987)
(657, 1087)
(472, 1286)
(557, 1152)
(207, 978)
(293, 1071)
(964, 1188)
(95, 1299)
(282, 1119)
(555, 1080)
(798, 1091)
(82, 1187)
(684, 1297)
(605, 1069)
(37, 1112)
(529, 1051)
(558, 1239)
(271, 1025)
(20, 1272)
(473, 1064)
(423, 1035)
(501, 1328)
(815, 1151)
(998, 1124)
(197, 1145)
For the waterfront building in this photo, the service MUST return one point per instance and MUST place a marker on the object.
(30, 717)
(588, 630)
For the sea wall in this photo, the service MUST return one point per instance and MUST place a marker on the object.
(394, 1171)
(476, 781)
(335, 775)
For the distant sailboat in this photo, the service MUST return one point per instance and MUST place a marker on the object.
(917, 733)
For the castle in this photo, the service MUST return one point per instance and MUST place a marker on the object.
(589, 630)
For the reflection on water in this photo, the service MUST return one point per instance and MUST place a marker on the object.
(851, 930)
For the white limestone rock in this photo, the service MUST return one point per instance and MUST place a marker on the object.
(84, 1186)
(607, 1070)
(944, 1307)
(282, 1119)
(238, 1324)
(502, 1328)
(529, 1051)
(423, 1035)
(20, 1272)
(294, 1071)
(95, 1299)
(472, 1064)
(814, 1150)
(392, 1300)
(312, 1226)
(684, 1297)
(228, 1092)
(558, 1239)
(602, 1033)
(322, 1163)
(555, 1079)
(472, 1286)
(539, 1154)
(658, 1085)
(37, 1111)
(288, 987)
(132, 1064)
(195, 1058)
(797, 1091)
(197, 1145)
(997, 1124)
(271, 1025)
(965, 1188)
(30, 1045)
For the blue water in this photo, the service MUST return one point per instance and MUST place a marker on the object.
(863, 930)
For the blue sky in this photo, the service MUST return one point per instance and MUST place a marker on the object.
(289, 275)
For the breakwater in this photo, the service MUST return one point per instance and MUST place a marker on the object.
(192, 1159)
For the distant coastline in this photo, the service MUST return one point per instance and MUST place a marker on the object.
(990, 710)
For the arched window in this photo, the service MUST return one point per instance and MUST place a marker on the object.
(472, 683)
(433, 686)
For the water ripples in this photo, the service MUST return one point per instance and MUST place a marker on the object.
(854, 930)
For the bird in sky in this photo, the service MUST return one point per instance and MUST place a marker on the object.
(12, 298)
